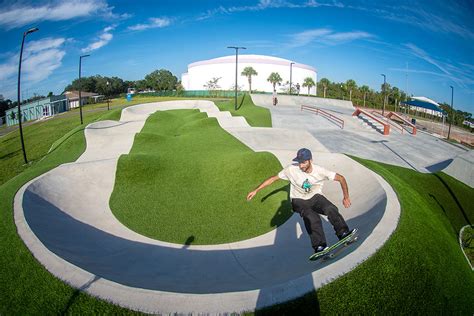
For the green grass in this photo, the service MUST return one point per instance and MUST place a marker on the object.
(420, 270)
(26, 287)
(256, 116)
(187, 179)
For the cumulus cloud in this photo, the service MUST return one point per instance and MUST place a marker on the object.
(40, 59)
(152, 23)
(101, 41)
(20, 15)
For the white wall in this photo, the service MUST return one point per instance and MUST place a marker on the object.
(198, 75)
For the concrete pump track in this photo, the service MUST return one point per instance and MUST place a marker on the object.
(64, 218)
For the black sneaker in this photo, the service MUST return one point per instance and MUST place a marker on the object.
(347, 233)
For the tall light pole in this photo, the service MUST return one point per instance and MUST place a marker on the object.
(291, 68)
(383, 93)
(80, 84)
(452, 111)
(34, 29)
(236, 69)
(108, 108)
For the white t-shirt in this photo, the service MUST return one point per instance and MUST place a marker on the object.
(305, 185)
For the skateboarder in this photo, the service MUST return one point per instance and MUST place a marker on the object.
(274, 97)
(306, 183)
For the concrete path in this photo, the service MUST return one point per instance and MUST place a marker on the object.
(423, 152)
(64, 218)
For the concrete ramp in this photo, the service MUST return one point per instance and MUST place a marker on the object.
(462, 168)
(64, 219)
(296, 101)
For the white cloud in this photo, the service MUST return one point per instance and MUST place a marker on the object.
(458, 74)
(326, 36)
(267, 4)
(20, 15)
(103, 40)
(40, 59)
(153, 23)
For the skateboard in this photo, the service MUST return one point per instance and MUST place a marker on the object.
(335, 249)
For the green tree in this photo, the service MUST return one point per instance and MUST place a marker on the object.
(308, 82)
(161, 80)
(213, 86)
(364, 89)
(325, 83)
(274, 79)
(396, 96)
(350, 85)
(249, 72)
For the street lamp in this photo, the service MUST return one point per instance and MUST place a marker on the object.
(383, 93)
(236, 70)
(452, 111)
(34, 29)
(291, 68)
(80, 84)
(108, 108)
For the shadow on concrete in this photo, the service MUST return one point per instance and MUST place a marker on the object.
(383, 142)
(439, 166)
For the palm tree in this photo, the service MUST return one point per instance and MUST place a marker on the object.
(308, 82)
(350, 85)
(274, 78)
(325, 82)
(385, 91)
(364, 90)
(396, 96)
(249, 72)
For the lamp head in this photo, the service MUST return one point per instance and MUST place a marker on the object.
(34, 29)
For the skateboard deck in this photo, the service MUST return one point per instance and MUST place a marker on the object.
(336, 248)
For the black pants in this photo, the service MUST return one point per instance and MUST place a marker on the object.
(310, 210)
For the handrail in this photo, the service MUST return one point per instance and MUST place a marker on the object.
(389, 115)
(386, 126)
(324, 113)
(393, 123)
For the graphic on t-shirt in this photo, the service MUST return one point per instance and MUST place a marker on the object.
(306, 186)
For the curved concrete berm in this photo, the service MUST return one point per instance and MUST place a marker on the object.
(64, 218)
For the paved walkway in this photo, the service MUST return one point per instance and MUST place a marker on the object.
(64, 218)
(423, 152)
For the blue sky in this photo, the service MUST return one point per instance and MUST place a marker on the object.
(423, 47)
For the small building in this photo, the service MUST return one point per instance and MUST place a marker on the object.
(86, 98)
(424, 105)
(38, 109)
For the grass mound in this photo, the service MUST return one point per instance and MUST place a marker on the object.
(256, 116)
(187, 179)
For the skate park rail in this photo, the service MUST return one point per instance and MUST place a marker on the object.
(324, 113)
(386, 126)
(389, 116)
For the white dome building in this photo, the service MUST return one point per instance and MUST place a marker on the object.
(199, 73)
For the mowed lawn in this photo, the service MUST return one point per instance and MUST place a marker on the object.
(186, 180)
(420, 270)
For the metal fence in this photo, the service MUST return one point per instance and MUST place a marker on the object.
(193, 93)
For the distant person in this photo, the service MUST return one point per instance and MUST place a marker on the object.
(274, 97)
(306, 184)
(298, 88)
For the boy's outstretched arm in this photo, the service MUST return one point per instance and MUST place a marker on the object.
(261, 186)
